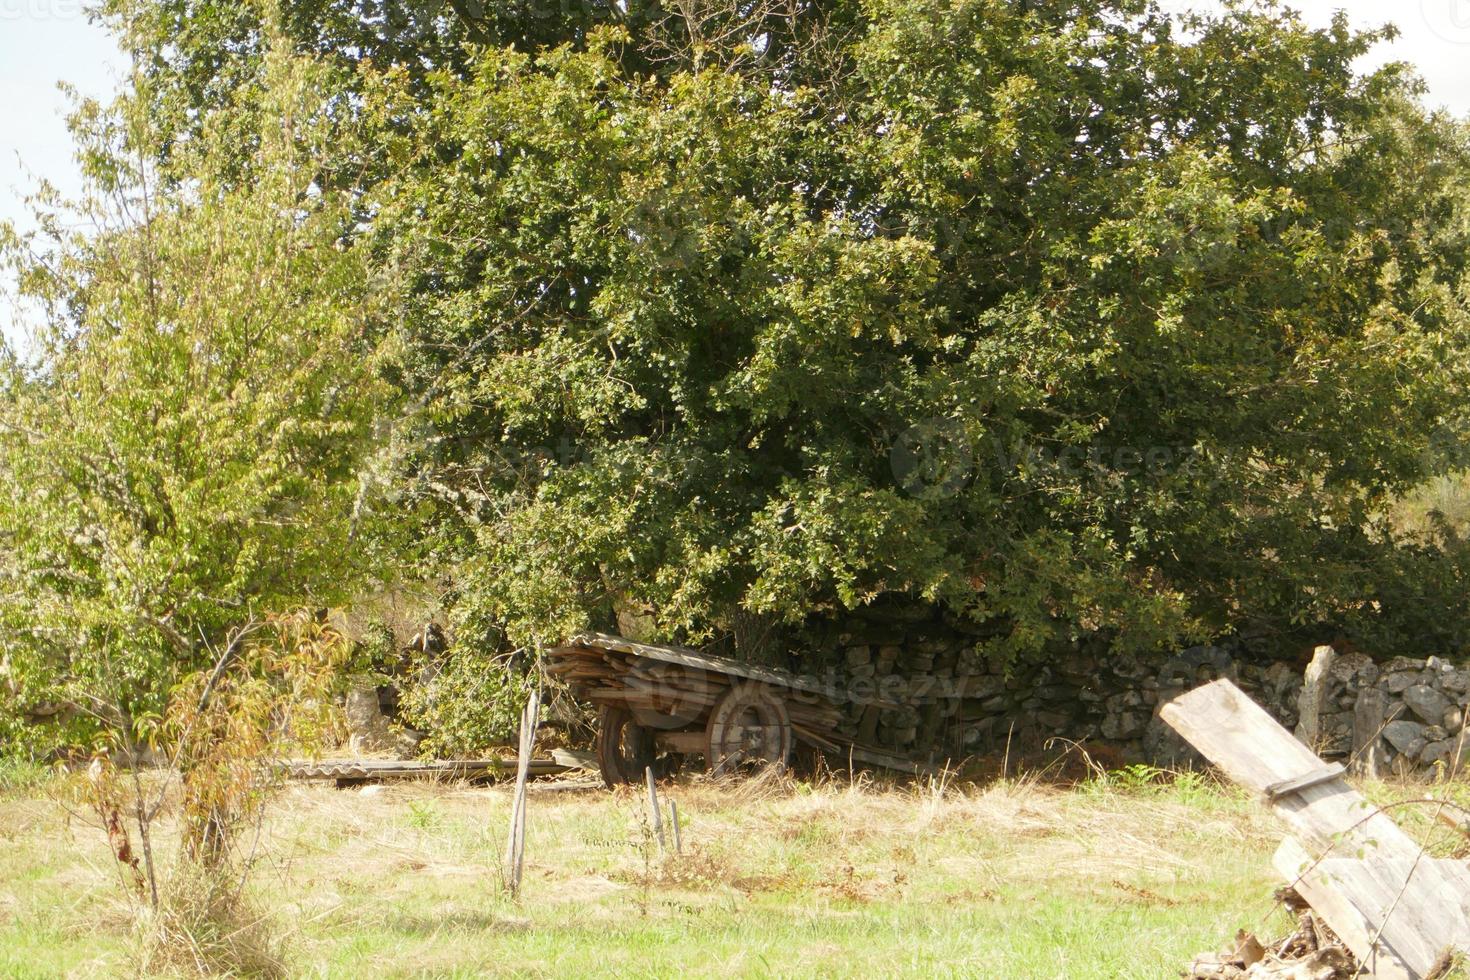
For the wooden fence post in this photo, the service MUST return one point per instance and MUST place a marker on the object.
(658, 820)
(515, 846)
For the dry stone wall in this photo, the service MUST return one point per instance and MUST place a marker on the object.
(953, 703)
(1423, 722)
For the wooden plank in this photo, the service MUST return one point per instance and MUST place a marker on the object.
(1318, 883)
(814, 738)
(719, 665)
(575, 759)
(1419, 904)
(410, 769)
(887, 760)
(1324, 775)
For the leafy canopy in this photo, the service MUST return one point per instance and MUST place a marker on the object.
(1065, 317)
(1061, 316)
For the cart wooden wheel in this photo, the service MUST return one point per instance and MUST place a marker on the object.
(625, 748)
(748, 727)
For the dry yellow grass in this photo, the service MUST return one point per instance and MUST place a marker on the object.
(1014, 879)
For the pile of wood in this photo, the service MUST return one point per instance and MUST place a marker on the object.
(683, 686)
(1401, 913)
(1311, 952)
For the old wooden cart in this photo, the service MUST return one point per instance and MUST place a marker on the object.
(659, 706)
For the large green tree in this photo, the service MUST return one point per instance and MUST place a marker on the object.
(1059, 315)
(1067, 316)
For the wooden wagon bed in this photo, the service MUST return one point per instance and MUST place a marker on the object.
(661, 705)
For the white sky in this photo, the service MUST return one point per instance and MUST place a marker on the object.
(43, 42)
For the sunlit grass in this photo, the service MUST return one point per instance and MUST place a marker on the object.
(1128, 875)
(776, 879)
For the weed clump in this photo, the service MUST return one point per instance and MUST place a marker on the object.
(205, 924)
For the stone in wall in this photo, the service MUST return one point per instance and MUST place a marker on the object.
(368, 727)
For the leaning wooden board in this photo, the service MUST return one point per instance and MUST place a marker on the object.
(1320, 882)
(1411, 906)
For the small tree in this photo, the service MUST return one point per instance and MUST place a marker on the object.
(184, 447)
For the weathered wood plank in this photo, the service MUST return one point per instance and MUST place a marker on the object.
(815, 738)
(408, 769)
(575, 759)
(1420, 905)
(1288, 786)
(885, 759)
(1319, 883)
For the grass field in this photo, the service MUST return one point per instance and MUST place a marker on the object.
(777, 879)
(1113, 878)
